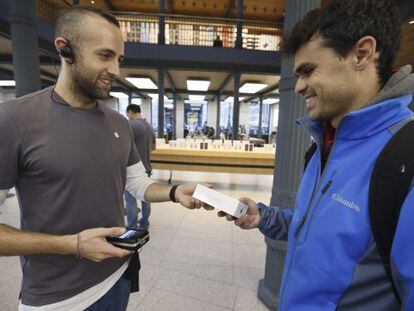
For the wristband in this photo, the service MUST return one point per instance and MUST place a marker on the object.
(172, 194)
(79, 251)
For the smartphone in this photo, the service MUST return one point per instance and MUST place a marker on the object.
(132, 239)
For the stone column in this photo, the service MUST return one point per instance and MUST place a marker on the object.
(161, 103)
(180, 119)
(218, 106)
(239, 36)
(259, 130)
(236, 106)
(291, 144)
(24, 46)
(174, 117)
(161, 22)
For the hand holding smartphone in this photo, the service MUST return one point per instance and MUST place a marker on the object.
(132, 239)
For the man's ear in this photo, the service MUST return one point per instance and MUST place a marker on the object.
(59, 42)
(365, 52)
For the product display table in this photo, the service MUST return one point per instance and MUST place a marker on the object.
(225, 161)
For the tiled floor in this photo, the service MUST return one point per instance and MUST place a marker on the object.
(194, 260)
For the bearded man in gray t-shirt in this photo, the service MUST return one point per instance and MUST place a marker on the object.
(70, 159)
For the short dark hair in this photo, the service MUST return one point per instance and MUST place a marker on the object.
(342, 23)
(70, 24)
(134, 108)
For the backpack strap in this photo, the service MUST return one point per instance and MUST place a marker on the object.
(390, 182)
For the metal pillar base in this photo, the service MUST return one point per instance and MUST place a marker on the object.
(269, 286)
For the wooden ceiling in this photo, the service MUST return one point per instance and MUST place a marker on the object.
(263, 10)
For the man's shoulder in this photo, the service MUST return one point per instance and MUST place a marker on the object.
(27, 105)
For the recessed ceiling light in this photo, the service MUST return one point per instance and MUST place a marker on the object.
(7, 83)
(93, 2)
(142, 83)
(119, 95)
(136, 101)
(155, 96)
(411, 22)
(252, 87)
(196, 97)
(230, 99)
(197, 85)
(271, 101)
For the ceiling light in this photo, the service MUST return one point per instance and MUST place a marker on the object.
(155, 96)
(230, 99)
(198, 85)
(271, 101)
(411, 22)
(196, 97)
(136, 101)
(120, 95)
(7, 83)
(142, 83)
(251, 88)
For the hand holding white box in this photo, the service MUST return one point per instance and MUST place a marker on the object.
(220, 201)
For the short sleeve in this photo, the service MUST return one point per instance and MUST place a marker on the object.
(133, 155)
(10, 150)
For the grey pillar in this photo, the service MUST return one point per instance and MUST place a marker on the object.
(239, 37)
(24, 46)
(161, 22)
(161, 73)
(174, 118)
(259, 131)
(218, 97)
(236, 106)
(291, 144)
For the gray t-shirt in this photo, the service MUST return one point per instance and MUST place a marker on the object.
(69, 168)
(144, 139)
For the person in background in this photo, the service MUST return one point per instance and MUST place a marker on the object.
(217, 42)
(144, 138)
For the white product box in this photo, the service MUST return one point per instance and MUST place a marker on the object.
(220, 201)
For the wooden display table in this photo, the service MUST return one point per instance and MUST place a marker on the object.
(213, 161)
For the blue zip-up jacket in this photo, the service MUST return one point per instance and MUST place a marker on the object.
(332, 262)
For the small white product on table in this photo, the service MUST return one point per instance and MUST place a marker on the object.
(220, 201)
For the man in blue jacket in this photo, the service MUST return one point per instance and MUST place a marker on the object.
(343, 55)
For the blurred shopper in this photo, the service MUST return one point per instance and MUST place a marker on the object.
(217, 42)
(343, 55)
(144, 137)
(70, 159)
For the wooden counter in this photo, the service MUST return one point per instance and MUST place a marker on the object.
(213, 161)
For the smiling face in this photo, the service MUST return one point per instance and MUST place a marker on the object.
(97, 59)
(327, 81)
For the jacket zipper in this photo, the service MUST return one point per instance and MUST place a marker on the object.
(323, 191)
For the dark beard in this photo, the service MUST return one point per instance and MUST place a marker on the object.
(84, 84)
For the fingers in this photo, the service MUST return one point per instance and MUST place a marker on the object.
(208, 207)
(104, 232)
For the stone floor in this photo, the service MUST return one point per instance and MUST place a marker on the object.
(194, 260)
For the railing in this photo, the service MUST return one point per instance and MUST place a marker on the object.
(199, 31)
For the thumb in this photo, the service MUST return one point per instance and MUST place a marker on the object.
(111, 231)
